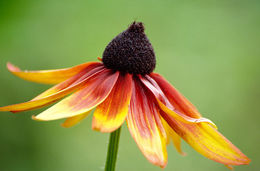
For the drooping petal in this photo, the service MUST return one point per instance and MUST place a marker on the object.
(183, 118)
(58, 91)
(179, 102)
(48, 76)
(167, 106)
(145, 125)
(91, 94)
(111, 114)
(69, 122)
(173, 136)
(208, 141)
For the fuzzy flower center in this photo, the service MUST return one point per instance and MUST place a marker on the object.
(130, 51)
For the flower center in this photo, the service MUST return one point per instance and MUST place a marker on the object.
(130, 51)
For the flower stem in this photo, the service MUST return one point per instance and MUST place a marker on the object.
(112, 150)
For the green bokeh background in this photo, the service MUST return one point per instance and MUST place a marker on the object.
(208, 49)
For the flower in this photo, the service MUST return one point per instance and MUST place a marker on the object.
(123, 87)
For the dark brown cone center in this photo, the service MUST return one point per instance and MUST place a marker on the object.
(130, 51)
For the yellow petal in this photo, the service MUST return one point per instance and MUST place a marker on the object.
(91, 94)
(172, 135)
(69, 122)
(111, 114)
(208, 141)
(49, 76)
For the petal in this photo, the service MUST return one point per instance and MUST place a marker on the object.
(91, 94)
(145, 125)
(179, 102)
(111, 114)
(172, 135)
(48, 76)
(208, 141)
(183, 118)
(166, 105)
(56, 92)
(69, 122)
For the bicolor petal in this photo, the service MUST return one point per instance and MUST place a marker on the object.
(208, 141)
(49, 76)
(57, 92)
(111, 114)
(167, 106)
(145, 125)
(91, 94)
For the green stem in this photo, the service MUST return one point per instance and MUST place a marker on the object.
(112, 150)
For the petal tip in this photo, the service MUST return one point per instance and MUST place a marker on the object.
(64, 125)
(183, 154)
(99, 58)
(247, 161)
(229, 167)
(12, 68)
(36, 118)
(98, 126)
(102, 129)
(163, 164)
(95, 128)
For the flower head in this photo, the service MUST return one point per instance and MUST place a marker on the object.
(122, 87)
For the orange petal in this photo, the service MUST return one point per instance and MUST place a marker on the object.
(166, 105)
(145, 125)
(111, 114)
(208, 141)
(179, 102)
(56, 92)
(69, 122)
(93, 92)
(48, 76)
(172, 135)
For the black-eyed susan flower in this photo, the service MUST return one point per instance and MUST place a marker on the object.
(122, 87)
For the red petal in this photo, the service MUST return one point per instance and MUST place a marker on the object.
(145, 125)
(111, 114)
(93, 92)
(179, 102)
(49, 76)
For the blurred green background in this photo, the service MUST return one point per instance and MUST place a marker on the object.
(208, 49)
